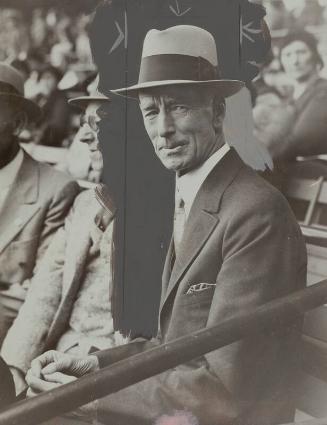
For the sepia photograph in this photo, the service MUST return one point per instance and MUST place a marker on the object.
(163, 212)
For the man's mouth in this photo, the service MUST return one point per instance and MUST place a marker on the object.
(173, 149)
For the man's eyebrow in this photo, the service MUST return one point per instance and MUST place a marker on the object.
(147, 104)
(153, 103)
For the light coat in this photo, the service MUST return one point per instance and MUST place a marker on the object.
(46, 312)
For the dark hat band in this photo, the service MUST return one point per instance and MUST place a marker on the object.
(176, 67)
(8, 89)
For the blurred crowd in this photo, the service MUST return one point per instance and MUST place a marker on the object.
(51, 49)
(288, 14)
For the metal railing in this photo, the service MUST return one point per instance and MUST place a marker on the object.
(141, 366)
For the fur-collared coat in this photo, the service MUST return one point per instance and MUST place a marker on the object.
(45, 315)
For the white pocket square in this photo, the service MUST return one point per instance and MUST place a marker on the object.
(199, 287)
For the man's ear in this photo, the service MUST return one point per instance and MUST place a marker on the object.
(219, 111)
(19, 123)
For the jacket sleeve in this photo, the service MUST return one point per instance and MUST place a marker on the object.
(26, 338)
(225, 385)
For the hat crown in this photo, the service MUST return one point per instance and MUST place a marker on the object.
(93, 88)
(180, 55)
(11, 76)
(185, 40)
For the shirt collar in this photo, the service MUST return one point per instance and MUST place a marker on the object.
(10, 171)
(189, 184)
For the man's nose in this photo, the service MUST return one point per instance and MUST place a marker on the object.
(166, 125)
(86, 134)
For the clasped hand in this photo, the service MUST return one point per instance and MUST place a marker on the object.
(53, 369)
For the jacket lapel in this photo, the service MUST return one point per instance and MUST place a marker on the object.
(203, 217)
(70, 290)
(21, 204)
(168, 267)
(76, 253)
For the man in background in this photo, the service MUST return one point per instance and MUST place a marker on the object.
(34, 198)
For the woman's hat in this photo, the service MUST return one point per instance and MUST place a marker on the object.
(12, 89)
(94, 96)
(180, 55)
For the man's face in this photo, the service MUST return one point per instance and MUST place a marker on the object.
(88, 133)
(180, 122)
(297, 60)
(8, 114)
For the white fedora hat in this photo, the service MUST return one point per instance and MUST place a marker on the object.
(182, 55)
(12, 89)
(94, 95)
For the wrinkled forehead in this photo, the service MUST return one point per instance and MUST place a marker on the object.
(186, 94)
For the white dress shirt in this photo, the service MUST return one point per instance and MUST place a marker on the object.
(189, 184)
(8, 175)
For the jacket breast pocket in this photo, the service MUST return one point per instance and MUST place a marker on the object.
(191, 312)
(198, 297)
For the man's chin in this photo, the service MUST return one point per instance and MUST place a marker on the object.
(172, 165)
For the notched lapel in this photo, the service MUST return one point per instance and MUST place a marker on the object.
(203, 216)
(197, 231)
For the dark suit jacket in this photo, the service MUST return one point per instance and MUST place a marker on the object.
(7, 389)
(242, 237)
(34, 210)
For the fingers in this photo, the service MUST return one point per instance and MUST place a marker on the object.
(60, 363)
(59, 378)
(38, 385)
(53, 361)
(49, 382)
(42, 361)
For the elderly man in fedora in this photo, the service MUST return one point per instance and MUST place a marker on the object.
(236, 245)
(68, 306)
(34, 198)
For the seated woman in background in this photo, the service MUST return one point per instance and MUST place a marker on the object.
(301, 62)
(295, 126)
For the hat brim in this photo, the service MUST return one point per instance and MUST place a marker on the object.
(225, 88)
(82, 101)
(32, 110)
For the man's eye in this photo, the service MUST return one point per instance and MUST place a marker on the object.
(179, 108)
(150, 114)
